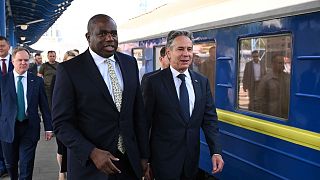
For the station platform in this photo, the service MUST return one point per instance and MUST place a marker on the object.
(45, 165)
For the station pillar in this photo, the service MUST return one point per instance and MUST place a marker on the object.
(12, 37)
(3, 18)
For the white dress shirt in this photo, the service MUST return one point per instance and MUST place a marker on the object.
(177, 83)
(103, 68)
(24, 83)
(256, 70)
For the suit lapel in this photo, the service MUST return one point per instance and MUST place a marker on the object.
(10, 68)
(94, 74)
(171, 88)
(10, 83)
(30, 85)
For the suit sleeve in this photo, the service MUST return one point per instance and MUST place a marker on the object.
(44, 107)
(64, 117)
(245, 79)
(149, 99)
(143, 82)
(210, 123)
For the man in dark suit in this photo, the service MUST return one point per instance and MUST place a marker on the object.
(35, 67)
(21, 95)
(176, 109)
(98, 109)
(6, 66)
(253, 73)
(5, 57)
(164, 63)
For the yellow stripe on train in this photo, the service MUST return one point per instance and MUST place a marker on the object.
(287, 133)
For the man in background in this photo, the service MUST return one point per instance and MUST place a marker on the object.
(6, 64)
(47, 71)
(273, 91)
(253, 73)
(208, 68)
(35, 67)
(164, 63)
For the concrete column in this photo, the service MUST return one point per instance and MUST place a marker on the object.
(12, 37)
(3, 18)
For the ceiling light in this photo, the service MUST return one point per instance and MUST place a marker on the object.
(22, 38)
(24, 26)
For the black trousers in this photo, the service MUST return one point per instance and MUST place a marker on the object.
(62, 150)
(124, 165)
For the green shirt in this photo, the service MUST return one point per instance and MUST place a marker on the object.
(48, 71)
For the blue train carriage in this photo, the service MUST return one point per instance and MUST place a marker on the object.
(271, 129)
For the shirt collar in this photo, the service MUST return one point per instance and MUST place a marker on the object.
(99, 59)
(175, 73)
(256, 62)
(15, 74)
(7, 57)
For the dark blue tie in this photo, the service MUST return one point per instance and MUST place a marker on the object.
(184, 97)
(21, 115)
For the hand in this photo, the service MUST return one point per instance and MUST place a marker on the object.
(48, 135)
(103, 161)
(217, 163)
(147, 173)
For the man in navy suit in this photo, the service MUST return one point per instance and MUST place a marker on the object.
(178, 102)
(6, 66)
(5, 57)
(21, 95)
(98, 109)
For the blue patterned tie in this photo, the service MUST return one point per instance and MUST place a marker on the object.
(184, 97)
(21, 115)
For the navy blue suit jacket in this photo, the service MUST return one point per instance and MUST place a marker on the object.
(36, 97)
(10, 68)
(145, 76)
(175, 141)
(33, 68)
(85, 116)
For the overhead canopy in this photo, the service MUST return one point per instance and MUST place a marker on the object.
(35, 16)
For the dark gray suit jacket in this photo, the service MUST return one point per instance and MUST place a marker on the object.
(85, 116)
(175, 141)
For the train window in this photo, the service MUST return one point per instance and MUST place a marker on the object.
(264, 75)
(138, 53)
(204, 61)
